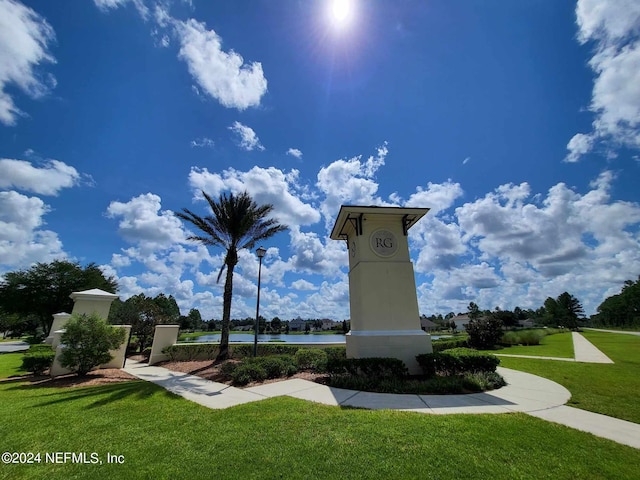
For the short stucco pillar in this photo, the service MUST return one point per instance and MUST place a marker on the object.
(164, 336)
(385, 321)
(59, 319)
(93, 301)
(118, 354)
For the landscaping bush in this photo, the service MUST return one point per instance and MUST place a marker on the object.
(312, 359)
(188, 352)
(38, 359)
(484, 333)
(336, 353)
(228, 367)
(447, 343)
(522, 337)
(468, 383)
(373, 367)
(87, 340)
(257, 369)
(456, 361)
(242, 351)
(248, 372)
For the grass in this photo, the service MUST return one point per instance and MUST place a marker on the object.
(558, 345)
(603, 388)
(161, 436)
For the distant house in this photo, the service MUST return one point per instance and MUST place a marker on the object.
(460, 321)
(328, 324)
(427, 325)
(297, 325)
(525, 323)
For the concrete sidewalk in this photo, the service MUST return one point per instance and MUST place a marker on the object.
(583, 351)
(12, 347)
(525, 393)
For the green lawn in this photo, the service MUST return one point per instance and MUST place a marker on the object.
(161, 435)
(603, 388)
(557, 345)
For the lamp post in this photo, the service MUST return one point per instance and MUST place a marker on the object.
(260, 253)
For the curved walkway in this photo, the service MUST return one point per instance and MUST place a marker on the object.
(525, 393)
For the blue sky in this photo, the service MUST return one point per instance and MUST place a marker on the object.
(517, 123)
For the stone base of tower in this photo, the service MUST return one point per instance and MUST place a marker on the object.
(401, 344)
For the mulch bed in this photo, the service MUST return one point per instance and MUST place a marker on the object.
(208, 370)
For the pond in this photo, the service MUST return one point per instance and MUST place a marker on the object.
(282, 338)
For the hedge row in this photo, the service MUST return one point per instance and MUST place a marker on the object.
(447, 343)
(456, 361)
(374, 367)
(191, 351)
(186, 352)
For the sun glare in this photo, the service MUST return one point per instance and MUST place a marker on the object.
(341, 12)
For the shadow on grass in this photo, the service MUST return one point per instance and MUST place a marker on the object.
(103, 394)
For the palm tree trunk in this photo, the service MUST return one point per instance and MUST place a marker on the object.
(223, 354)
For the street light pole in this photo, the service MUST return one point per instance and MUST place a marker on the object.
(260, 253)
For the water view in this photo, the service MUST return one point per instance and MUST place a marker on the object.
(282, 338)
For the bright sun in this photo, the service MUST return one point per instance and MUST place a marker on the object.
(341, 12)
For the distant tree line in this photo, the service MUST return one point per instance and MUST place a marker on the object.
(621, 310)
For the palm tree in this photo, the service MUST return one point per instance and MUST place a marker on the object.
(237, 222)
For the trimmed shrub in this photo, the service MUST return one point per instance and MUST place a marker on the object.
(456, 361)
(87, 340)
(312, 359)
(242, 351)
(248, 372)
(373, 367)
(187, 352)
(472, 382)
(260, 368)
(275, 366)
(228, 367)
(474, 361)
(446, 344)
(38, 359)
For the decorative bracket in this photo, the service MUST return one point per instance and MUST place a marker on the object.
(356, 223)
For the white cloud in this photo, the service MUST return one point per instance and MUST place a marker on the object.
(437, 197)
(310, 254)
(203, 142)
(105, 5)
(247, 138)
(294, 152)
(614, 26)
(143, 223)
(350, 182)
(303, 285)
(22, 241)
(48, 180)
(265, 185)
(466, 160)
(223, 75)
(25, 37)
(579, 145)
